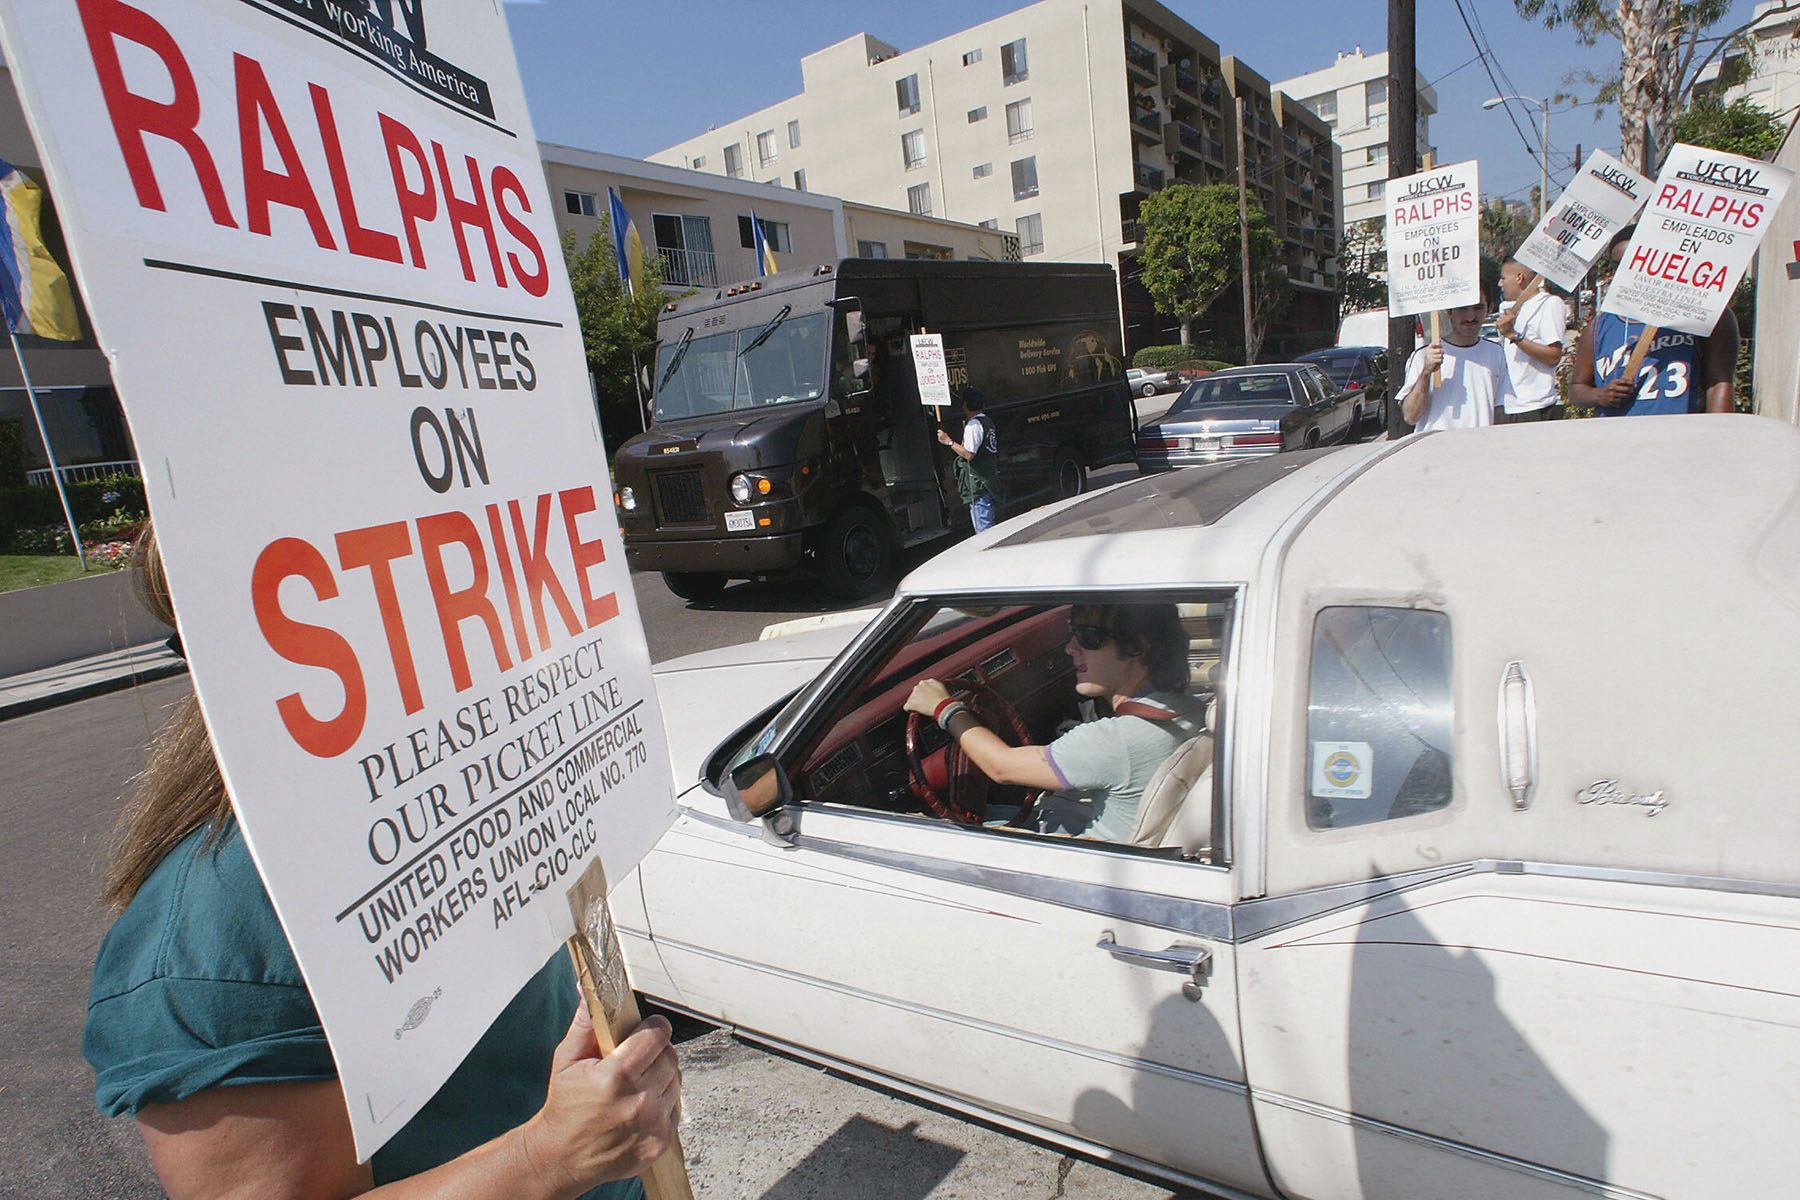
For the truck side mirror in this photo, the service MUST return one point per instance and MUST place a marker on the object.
(860, 368)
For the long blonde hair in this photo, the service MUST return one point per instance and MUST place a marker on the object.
(180, 788)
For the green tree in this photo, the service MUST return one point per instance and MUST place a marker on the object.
(1664, 47)
(1503, 227)
(617, 328)
(1740, 127)
(1362, 267)
(1190, 248)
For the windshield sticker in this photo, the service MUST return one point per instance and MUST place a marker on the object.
(1609, 791)
(1343, 770)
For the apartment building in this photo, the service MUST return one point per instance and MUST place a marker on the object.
(1351, 97)
(700, 224)
(1052, 122)
(1766, 69)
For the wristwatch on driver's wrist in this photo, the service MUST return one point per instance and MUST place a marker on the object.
(1514, 337)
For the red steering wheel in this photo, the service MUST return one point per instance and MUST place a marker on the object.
(964, 797)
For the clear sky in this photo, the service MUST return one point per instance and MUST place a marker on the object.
(632, 78)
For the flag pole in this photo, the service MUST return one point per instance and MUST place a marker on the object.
(50, 454)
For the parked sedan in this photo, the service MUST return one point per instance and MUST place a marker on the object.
(1446, 900)
(1248, 412)
(1148, 383)
(1360, 370)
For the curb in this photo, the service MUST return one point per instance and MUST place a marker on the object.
(93, 687)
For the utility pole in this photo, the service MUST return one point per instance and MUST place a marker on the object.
(1403, 160)
(1243, 115)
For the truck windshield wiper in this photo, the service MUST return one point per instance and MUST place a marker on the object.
(767, 331)
(675, 357)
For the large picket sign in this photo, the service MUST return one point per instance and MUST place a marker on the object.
(1434, 240)
(1601, 200)
(320, 251)
(1707, 212)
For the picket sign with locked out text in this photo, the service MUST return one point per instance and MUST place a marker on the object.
(1707, 212)
(1434, 240)
(932, 371)
(323, 260)
(1601, 200)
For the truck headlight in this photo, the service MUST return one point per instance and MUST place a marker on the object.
(627, 499)
(741, 489)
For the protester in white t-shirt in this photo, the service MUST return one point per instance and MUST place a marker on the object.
(1473, 379)
(1533, 327)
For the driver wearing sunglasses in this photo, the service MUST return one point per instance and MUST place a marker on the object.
(1133, 657)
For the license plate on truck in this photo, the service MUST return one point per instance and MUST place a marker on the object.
(739, 522)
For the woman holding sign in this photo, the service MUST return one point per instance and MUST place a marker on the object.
(200, 1026)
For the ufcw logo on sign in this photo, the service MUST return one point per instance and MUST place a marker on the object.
(369, 25)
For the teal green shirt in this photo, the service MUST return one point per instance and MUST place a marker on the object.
(195, 987)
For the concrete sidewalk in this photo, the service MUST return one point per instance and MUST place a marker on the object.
(64, 683)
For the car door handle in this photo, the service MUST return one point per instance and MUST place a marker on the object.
(1193, 961)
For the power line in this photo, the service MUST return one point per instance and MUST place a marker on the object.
(1487, 65)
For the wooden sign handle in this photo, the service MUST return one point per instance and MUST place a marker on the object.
(1532, 288)
(1437, 374)
(1638, 351)
(600, 968)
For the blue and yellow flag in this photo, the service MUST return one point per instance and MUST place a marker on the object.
(34, 291)
(627, 245)
(765, 257)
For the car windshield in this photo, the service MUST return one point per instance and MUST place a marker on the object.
(1233, 389)
(1337, 367)
(776, 362)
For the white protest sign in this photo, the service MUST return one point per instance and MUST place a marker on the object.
(1601, 200)
(1434, 240)
(1707, 212)
(932, 371)
(323, 260)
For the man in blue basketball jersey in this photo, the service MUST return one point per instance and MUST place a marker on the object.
(1681, 373)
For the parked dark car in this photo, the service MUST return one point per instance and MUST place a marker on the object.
(1360, 370)
(1248, 412)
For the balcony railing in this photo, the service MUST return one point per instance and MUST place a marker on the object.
(1146, 118)
(689, 268)
(1213, 148)
(1187, 81)
(81, 472)
(1141, 57)
(1178, 135)
(1131, 231)
(1211, 93)
(1149, 178)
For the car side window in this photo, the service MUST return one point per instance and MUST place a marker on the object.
(1379, 716)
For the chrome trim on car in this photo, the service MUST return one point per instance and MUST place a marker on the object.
(1198, 917)
(1432, 1141)
(1257, 682)
(1233, 1086)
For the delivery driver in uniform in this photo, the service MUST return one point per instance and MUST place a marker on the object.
(977, 460)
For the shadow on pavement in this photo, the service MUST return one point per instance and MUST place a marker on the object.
(888, 1164)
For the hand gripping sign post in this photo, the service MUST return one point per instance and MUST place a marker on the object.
(1601, 200)
(1707, 212)
(1434, 243)
(318, 248)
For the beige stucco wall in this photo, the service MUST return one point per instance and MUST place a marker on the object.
(895, 229)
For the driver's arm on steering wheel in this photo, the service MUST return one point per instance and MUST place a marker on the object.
(1025, 766)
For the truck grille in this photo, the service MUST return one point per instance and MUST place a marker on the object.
(681, 498)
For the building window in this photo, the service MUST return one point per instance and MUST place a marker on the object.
(971, 58)
(907, 92)
(1377, 120)
(918, 199)
(775, 233)
(1378, 189)
(1031, 235)
(800, 180)
(793, 135)
(1377, 154)
(1323, 106)
(983, 170)
(581, 204)
(1018, 120)
(734, 162)
(1013, 66)
(1024, 178)
(871, 249)
(912, 148)
(978, 114)
(686, 247)
(1375, 92)
(765, 147)
(925, 250)
(990, 223)
(699, 163)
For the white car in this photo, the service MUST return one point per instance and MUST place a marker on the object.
(1483, 882)
(1149, 383)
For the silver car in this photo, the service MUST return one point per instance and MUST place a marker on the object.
(1248, 412)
